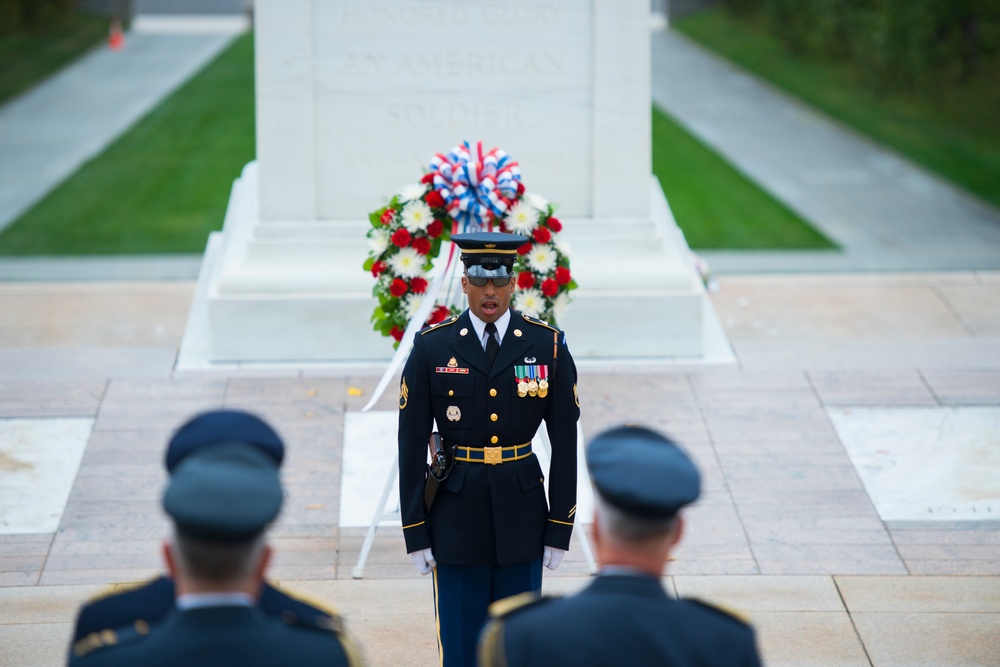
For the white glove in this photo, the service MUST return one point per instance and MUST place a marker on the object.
(424, 560)
(552, 556)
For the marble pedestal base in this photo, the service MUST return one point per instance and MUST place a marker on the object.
(296, 292)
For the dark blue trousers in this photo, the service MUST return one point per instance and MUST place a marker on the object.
(463, 593)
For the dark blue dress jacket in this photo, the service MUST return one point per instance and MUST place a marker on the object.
(617, 620)
(488, 514)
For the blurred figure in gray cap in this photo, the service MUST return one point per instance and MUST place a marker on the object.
(221, 500)
(642, 481)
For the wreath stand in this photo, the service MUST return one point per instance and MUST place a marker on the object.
(382, 514)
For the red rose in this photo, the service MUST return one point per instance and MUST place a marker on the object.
(418, 285)
(542, 235)
(422, 245)
(378, 268)
(428, 178)
(525, 280)
(435, 228)
(434, 199)
(401, 238)
(520, 188)
(396, 333)
(398, 287)
(562, 275)
(550, 287)
(438, 315)
(387, 217)
(555, 225)
(525, 249)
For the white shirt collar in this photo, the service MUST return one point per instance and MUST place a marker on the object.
(480, 326)
(200, 600)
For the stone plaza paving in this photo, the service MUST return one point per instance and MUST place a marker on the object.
(786, 532)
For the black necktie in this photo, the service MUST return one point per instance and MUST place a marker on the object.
(492, 344)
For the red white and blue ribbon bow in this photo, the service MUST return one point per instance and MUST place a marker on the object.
(476, 188)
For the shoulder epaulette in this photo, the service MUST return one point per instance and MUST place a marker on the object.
(117, 589)
(541, 323)
(333, 625)
(321, 607)
(723, 611)
(516, 603)
(96, 640)
(443, 323)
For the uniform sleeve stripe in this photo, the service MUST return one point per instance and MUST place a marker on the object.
(413, 525)
(562, 522)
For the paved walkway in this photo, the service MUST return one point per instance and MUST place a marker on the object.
(789, 531)
(884, 212)
(47, 133)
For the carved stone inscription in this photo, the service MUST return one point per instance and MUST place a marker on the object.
(398, 80)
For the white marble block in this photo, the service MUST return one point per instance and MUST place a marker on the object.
(355, 97)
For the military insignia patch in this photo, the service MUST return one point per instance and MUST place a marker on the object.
(453, 413)
(453, 362)
(404, 395)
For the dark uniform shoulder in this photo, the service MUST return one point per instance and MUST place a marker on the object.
(105, 638)
(115, 590)
(538, 322)
(332, 625)
(491, 649)
(439, 325)
(720, 611)
(516, 604)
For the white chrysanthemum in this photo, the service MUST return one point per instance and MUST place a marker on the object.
(411, 303)
(529, 302)
(561, 245)
(416, 216)
(407, 263)
(559, 305)
(522, 218)
(378, 241)
(542, 258)
(411, 192)
(540, 203)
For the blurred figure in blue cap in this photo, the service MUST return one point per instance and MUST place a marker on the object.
(642, 481)
(223, 493)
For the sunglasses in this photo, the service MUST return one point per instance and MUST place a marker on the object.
(481, 282)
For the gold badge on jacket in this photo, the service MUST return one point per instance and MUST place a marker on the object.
(453, 413)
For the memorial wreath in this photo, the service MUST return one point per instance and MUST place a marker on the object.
(463, 191)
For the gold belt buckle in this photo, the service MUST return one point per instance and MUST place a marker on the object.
(492, 455)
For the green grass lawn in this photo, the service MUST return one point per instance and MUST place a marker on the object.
(716, 206)
(953, 131)
(27, 58)
(163, 186)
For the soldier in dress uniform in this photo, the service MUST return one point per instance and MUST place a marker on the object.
(488, 378)
(150, 601)
(223, 492)
(625, 617)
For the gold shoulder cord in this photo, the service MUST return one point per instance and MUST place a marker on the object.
(491, 652)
